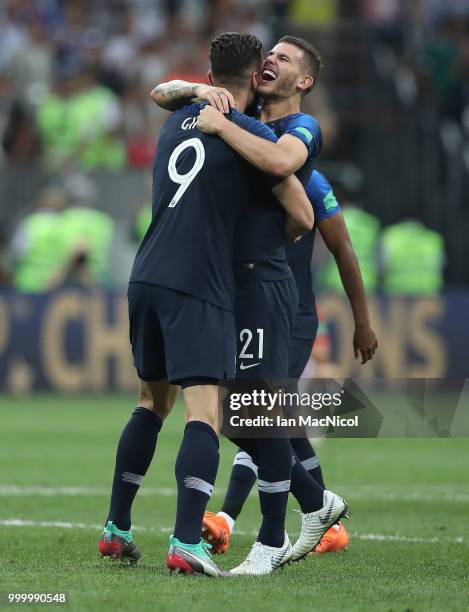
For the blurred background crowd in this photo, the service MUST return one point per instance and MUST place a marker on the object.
(78, 129)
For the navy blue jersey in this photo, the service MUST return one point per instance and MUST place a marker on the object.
(262, 233)
(200, 188)
(325, 205)
(260, 249)
(305, 128)
(260, 237)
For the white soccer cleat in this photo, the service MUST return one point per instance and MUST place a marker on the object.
(315, 524)
(263, 560)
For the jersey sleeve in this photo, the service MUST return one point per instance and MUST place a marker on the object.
(253, 126)
(263, 131)
(307, 129)
(322, 197)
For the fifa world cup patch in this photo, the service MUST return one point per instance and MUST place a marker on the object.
(306, 133)
(330, 201)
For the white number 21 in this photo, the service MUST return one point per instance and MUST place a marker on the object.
(184, 180)
(245, 336)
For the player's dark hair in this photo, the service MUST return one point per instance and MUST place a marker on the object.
(312, 58)
(233, 56)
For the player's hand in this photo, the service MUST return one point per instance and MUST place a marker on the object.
(210, 120)
(218, 97)
(364, 342)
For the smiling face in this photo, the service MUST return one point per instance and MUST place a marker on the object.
(284, 72)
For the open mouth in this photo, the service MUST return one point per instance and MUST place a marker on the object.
(268, 75)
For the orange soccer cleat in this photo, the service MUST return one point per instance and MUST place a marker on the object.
(215, 531)
(334, 540)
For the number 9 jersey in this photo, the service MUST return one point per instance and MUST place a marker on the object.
(200, 189)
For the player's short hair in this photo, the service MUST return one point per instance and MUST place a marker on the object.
(312, 58)
(233, 56)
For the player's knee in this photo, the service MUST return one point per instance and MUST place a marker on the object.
(202, 404)
(205, 414)
(145, 398)
(161, 411)
(157, 397)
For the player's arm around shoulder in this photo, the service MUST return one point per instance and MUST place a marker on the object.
(288, 191)
(173, 95)
(280, 159)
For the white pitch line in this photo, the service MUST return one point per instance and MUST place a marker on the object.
(383, 493)
(15, 522)
(376, 537)
(56, 524)
(34, 491)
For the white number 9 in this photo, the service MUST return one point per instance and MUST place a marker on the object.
(184, 180)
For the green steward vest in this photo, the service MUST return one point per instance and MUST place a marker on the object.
(92, 229)
(364, 232)
(87, 112)
(413, 258)
(44, 258)
(76, 126)
(59, 134)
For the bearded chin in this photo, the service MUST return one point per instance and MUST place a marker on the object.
(271, 95)
(284, 90)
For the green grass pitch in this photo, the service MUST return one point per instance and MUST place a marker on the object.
(409, 503)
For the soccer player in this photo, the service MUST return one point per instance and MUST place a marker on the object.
(289, 72)
(330, 223)
(181, 302)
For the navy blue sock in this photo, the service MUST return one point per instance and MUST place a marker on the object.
(196, 470)
(275, 467)
(242, 479)
(306, 490)
(249, 446)
(309, 459)
(134, 454)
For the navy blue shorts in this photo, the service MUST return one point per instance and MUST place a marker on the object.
(265, 311)
(178, 336)
(300, 351)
